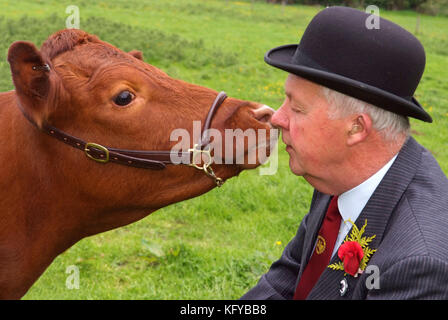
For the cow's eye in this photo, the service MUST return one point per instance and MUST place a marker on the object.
(124, 98)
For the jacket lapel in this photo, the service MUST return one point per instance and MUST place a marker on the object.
(377, 212)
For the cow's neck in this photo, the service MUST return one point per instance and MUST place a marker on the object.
(45, 212)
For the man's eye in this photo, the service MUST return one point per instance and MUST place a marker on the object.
(124, 98)
(297, 110)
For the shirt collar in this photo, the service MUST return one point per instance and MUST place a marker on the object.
(351, 202)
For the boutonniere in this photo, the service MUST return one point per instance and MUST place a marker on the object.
(354, 252)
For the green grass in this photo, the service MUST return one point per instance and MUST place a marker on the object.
(218, 245)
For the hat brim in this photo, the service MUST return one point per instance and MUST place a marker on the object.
(282, 58)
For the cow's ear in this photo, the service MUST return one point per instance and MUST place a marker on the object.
(137, 54)
(31, 78)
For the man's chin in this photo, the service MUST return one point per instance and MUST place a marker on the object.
(295, 169)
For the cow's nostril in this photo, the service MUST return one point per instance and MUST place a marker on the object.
(263, 113)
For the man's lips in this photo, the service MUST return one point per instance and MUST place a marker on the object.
(286, 141)
(288, 146)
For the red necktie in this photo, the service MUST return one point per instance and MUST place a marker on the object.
(320, 259)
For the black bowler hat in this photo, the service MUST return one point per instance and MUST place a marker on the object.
(379, 66)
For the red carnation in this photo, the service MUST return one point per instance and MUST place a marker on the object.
(351, 254)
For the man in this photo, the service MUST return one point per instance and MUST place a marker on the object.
(345, 124)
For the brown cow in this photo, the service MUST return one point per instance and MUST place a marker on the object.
(51, 194)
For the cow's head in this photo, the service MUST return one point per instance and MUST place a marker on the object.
(96, 92)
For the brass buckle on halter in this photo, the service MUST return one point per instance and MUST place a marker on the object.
(196, 150)
(104, 158)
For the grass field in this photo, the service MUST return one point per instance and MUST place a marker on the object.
(218, 245)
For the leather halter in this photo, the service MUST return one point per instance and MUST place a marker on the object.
(154, 160)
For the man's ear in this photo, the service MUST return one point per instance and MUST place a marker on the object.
(31, 78)
(137, 54)
(359, 129)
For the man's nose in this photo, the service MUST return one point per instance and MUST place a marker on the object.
(279, 119)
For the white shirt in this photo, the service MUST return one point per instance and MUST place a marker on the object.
(351, 202)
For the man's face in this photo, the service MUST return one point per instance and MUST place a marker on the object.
(316, 145)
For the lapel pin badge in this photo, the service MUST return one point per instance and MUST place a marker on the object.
(344, 287)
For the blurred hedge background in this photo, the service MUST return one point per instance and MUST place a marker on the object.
(431, 7)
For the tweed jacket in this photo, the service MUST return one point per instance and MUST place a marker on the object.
(408, 213)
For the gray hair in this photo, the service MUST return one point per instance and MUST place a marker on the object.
(390, 125)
